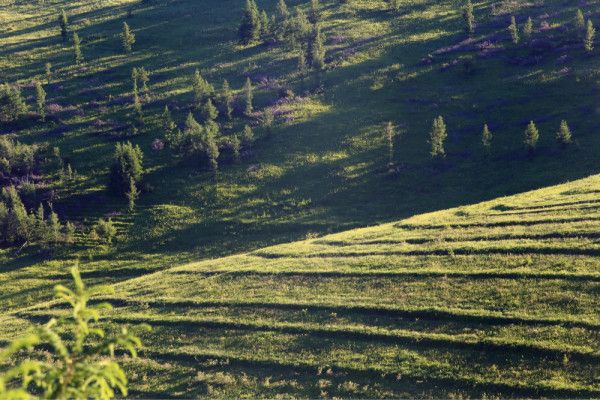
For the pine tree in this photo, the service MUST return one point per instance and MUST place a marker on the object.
(317, 49)
(235, 148)
(77, 54)
(590, 34)
(532, 136)
(17, 220)
(249, 30)
(54, 228)
(438, 137)
(247, 137)
(528, 28)
(314, 15)
(69, 233)
(143, 77)
(564, 136)
(469, 17)
(209, 111)
(486, 139)
(267, 120)
(227, 99)
(301, 61)
(514, 30)
(390, 132)
(249, 97)
(393, 4)
(282, 11)
(12, 104)
(211, 147)
(48, 72)
(168, 125)
(40, 100)
(127, 165)
(127, 38)
(579, 21)
(265, 27)
(137, 106)
(64, 24)
(201, 88)
(132, 195)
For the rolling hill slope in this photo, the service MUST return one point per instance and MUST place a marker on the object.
(495, 299)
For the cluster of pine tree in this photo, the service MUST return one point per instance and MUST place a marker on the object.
(20, 227)
(127, 171)
(301, 32)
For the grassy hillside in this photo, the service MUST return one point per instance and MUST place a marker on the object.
(494, 299)
(324, 169)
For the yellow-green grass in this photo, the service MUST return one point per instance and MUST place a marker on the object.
(394, 307)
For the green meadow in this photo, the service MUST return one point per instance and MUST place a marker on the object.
(313, 268)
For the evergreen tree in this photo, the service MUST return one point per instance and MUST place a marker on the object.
(12, 104)
(127, 38)
(564, 136)
(393, 4)
(282, 11)
(235, 148)
(69, 233)
(514, 30)
(77, 54)
(40, 100)
(247, 137)
(127, 165)
(168, 125)
(532, 136)
(201, 88)
(54, 228)
(469, 17)
(579, 21)
(486, 139)
(132, 195)
(390, 132)
(64, 24)
(301, 61)
(143, 77)
(590, 34)
(249, 97)
(48, 72)
(227, 100)
(18, 222)
(265, 27)
(209, 111)
(104, 230)
(249, 30)
(137, 106)
(528, 28)
(267, 121)
(211, 147)
(438, 137)
(317, 49)
(315, 14)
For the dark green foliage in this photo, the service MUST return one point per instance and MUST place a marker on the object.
(248, 97)
(201, 88)
(104, 231)
(64, 24)
(265, 25)
(141, 78)
(12, 104)
(394, 5)
(132, 195)
(127, 165)
(281, 20)
(40, 100)
(250, 29)
(469, 17)
(513, 29)
(199, 143)
(137, 106)
(564, 136)
(438, 137)
(297, 29)
(17, 159)
(209, 111)
(590, 34)
(247, 137)
(127, 38)
(79, 362)
(317, 49)
(227, 100)
(267, 121)
(235, 145)
(531, 137)
(77, 54)
(211, 148)
(168, 125)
